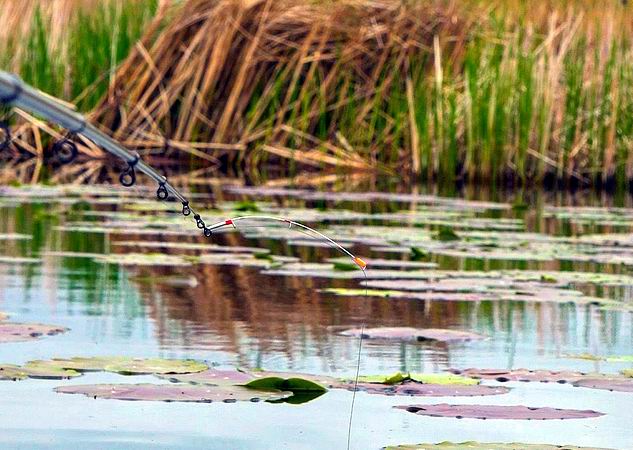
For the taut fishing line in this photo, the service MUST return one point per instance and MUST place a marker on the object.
(15, 93)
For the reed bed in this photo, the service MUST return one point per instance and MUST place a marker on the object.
(434, 88)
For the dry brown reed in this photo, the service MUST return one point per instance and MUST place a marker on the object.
(270, 77)
(437, 88)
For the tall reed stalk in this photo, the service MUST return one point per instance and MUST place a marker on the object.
(436, 88)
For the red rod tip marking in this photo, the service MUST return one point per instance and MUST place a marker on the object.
(228, 222)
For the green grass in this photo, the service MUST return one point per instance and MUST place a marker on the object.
(95, 42)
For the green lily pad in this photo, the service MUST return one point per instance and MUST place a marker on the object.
(6, 259)
(155, 366)
(472, 445)
(627, 373)
(427, 378)
(86, 364)
(620, 358)
(446, 234)
(143, 259)
(36, 370)
(285, 384)
(190, 246)
(173, 393)
(11, 372)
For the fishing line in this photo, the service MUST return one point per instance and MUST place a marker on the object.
(360, 349)
(15, 93)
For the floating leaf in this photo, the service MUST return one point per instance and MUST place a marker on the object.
(344, 263)
(443, 378)
(86, 364)
(429, 378)
(34, 369)
(11, 372)
(415, 388)
(18, 332)
(285, 384)
(472, 445)
(322, 380)
(6, 259)
(211, 376)
(586, 357)
(143, 259)
(413, 334)
(627, 373)
(173, 392)
(618, 384)
(155, 365)
(446, 234)
(498, 412)
(504, 375)
(621, 358)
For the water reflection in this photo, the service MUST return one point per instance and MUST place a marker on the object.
(239, 316)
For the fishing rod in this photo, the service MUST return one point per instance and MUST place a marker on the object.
(16, 93)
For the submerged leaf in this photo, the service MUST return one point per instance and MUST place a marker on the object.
(498, 412)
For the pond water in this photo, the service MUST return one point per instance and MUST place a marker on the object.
(546, 282)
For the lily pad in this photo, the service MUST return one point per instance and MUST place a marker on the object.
(627, 373)
(144, 259)
(382, 263)
(472, 445)
(617, 384)
(86, 364)
(6, 259)
(429, 378)
(517, 412)
(504, 375)
(415, 388)
(155, 366)
(285, 384)
(11, 372)
(173, 392)
(413, 334)
(19, 332)
(215, 377)
(36, 370)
